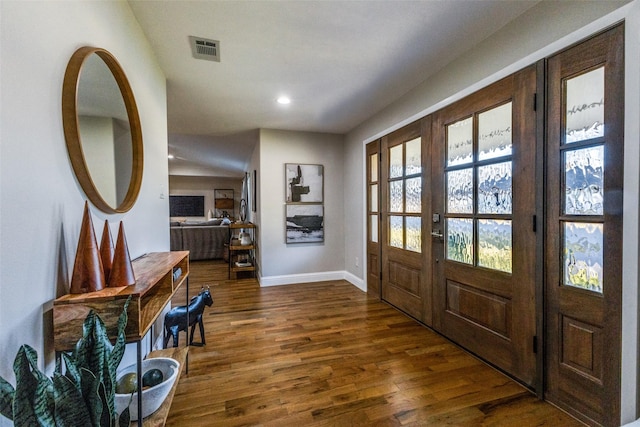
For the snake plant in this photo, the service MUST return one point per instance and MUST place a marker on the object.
(81, 396)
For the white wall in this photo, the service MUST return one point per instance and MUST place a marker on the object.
(205, 186)
(282, 263)
(41, 202)
(546, 28)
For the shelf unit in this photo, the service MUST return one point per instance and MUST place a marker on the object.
(155, 286)
(238, 251)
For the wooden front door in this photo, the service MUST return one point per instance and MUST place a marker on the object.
(406, 272)
(482, 223)
(585, 106)
(373, 219)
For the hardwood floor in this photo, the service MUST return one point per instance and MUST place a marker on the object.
(324, 354)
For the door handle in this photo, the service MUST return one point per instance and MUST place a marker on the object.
(437, 233)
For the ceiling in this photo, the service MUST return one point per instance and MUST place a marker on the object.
(340, 62)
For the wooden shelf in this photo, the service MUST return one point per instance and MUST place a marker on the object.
(159, 418)
(236, 250)
(154, 287)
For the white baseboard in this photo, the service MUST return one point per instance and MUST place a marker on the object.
(312, 277)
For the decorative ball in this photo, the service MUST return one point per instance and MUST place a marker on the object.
(127, 384)
(152, 377)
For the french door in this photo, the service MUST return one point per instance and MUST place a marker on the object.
(500, 224)
(482, 233)
(373, 218)
(406, 273)
(584, 228)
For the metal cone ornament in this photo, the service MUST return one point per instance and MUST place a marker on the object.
(88, 274)
(121, 269)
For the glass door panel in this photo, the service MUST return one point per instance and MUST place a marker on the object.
(584, 115)
(405, 195)
(494, 133)
(584, 181)
(460, 191)
(583, 255)
(460, 240)
(494, 247)
(460, 142)
(479, 198)
(494, 188)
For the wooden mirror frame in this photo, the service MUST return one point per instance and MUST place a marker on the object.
(72, 134)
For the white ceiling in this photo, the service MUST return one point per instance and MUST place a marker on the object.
(340, 62)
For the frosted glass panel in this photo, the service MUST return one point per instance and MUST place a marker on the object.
(395, 232)
(494, 133)
(460, 240)
(374, 197)
(373, 221)
(414, 195)
(414, 161)
(583, 255)
(460, 191)
(494, 188)
(373, 167)
(395, 161)
(584, 171)
(459, 142)
(414, 233)
(585, 106)
(396, 197)
(494, 244)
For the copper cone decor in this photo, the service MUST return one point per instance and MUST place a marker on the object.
(122, 269)
(88, 274)
(106, 250)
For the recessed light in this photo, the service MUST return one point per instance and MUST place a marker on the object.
(284, 100)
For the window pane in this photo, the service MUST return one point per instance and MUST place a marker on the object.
(494, 188)
(414, 233)
(585, 106)
(413, 153)
(373, 167)
(494, 133)
(460, 191)
(583, 255)
(414, 195)
(460, 240)
(395, 161)
(373, 194)
(494, 244)
(396, 197)
(396, 238)
(373, 221)
(584, 171)
(459, 142)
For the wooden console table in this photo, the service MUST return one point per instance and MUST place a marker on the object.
(155, 286)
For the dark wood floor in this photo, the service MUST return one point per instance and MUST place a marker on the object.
(324, 354)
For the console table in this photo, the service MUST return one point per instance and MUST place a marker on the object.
(158, 277)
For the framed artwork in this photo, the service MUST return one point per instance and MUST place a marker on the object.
(305, 223)
(304, 183)
(223, 202)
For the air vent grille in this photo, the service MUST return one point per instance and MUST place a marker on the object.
(207, 49)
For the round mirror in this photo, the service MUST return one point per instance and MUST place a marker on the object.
(102, 129)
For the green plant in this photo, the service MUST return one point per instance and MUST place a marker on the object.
(82, 396)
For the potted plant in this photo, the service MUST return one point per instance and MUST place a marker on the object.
(81, 396)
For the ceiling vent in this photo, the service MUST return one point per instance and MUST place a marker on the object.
(205, 49)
